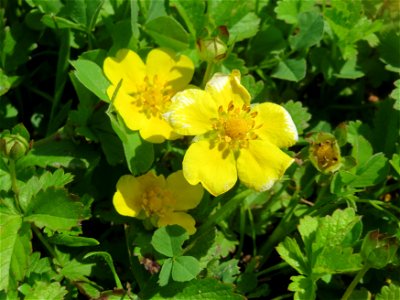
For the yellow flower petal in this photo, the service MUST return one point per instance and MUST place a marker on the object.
(261, 164)
(174, 70)
(178, 218)
(278, 126)
(130, 113)
(186, 196)
(226, 88)
(127, 65)
(191, 112)
(150, 180)
(213, 168)
(127, 198)
(157, 130)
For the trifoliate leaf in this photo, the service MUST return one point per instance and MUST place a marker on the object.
(311, 28)
(168, 240)
(185, 268)
(290, 69)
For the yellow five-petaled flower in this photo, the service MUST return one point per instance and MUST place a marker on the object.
(162, 201)
(146, 89)
(233, 138)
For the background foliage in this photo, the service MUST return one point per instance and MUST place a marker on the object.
(334, 65)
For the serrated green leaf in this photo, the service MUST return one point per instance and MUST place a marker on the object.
(185, 268)
(389, 292)
(395, 94)
(167, 32)
(46, 290)
(311, 28)
(290, 251)
(290, 69)
(226, 271)
(335, 260)
(395, 162)
(54, 208)
(165, 272)
(201, 289)
(168, 240)
(299, 114)
(92, 77)
(254, 88)
(288, 10)
(304, 288)
(10, 225)
(60, 153)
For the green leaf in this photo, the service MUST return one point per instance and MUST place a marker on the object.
(290, 251)
(167, 32)
(395, 94)
(10, 226)
(5, 83)
(245, 28)
(304, 288)
(311, 28)
(389, 47)
(156, 9)
(350, 70)
(373, 171)
(290, 69)
(107, 257)
(395, 163)
(254, 88)
(390, 292)
(72, 241)
(139, 154)
(201, 289)
(336, 260)
(56, 22)
(299, 114)
(92, 77)
(60, 153)
(185, 268)
(61, 213)
(289, 10)
(46, 290)
(192, 12)
(362, 149)
(168, 240)
(165, 272)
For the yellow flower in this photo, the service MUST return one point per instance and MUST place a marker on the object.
(233, 138)
(163, 201)
(146, 89)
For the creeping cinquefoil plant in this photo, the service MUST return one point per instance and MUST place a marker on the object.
(199, 149)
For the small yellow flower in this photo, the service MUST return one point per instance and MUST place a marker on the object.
(146, 89)
(233, 138)
(163, 201)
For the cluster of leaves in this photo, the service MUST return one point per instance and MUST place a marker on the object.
(334, 65)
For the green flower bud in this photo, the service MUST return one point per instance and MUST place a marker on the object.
(378, 249)
(14, 145)
(212, 49)
(324, 153)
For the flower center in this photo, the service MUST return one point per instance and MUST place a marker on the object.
(156, 201)
(152, 96)
(235, 126)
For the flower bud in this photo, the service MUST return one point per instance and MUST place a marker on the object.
(324, 153)
(378, 249)
(212, 49)
(14, 145)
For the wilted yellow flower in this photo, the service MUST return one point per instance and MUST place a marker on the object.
(233, 139)
(163, 201)
(146, 89)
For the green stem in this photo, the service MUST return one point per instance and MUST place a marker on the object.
(46, 244)
(276, 267)
(14, 186)
(355, 281)
(208, 73)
